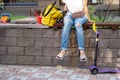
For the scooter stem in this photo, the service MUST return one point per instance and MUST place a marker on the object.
(96, 49)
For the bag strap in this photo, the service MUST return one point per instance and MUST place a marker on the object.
(53, 4)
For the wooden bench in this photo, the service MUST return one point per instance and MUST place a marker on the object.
(113, 26)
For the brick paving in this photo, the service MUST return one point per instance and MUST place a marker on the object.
(25, 72)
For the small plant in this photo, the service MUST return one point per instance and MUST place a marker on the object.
(92, 14)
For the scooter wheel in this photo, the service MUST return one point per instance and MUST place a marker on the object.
(94, 71)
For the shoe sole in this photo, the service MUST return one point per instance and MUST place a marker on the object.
(83, 60)
(59, 58)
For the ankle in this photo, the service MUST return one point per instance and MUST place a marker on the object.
(82, 52)
(62, 51)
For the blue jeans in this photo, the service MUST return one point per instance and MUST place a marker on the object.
(77, 23)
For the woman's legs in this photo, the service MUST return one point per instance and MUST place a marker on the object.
(78, 22)
(68, 22)
(66, 32)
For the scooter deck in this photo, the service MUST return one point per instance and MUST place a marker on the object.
(108, 70)
(94, 70)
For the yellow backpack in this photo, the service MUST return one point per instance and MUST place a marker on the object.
(51, 14)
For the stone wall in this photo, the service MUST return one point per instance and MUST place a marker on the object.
(29, 46)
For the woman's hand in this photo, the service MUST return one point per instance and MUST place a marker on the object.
(90, 21)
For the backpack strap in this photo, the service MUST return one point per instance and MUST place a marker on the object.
(53, 4)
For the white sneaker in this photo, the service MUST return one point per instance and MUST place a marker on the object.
(83, 58)
(61, 55)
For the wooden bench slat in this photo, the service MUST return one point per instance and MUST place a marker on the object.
(86, 25)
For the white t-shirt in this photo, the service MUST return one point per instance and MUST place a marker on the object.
(74, 5)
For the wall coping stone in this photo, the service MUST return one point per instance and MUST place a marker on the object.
(11, 25)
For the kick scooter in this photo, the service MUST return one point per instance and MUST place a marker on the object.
(94, 69)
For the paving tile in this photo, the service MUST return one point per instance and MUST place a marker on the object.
(57, 79)
(29, 70)
(117, 75)
(86, 77)
(103, 77)
(118, 78)
(42, 75)
(7, 74)
(31, 78)
(61, 76)
(108, 74)
(79, 77)
(3, 77)
(46, 67)
(64, 72)
(1, 71)
(93, 77)
(113, 78)
(85, 71)
(17, 78)
(37, 79)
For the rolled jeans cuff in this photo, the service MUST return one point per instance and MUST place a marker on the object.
(80, 48)
(64, 49)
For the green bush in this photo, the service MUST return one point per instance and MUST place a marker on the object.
(17, 17)
(92, 15)
(100, 18)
